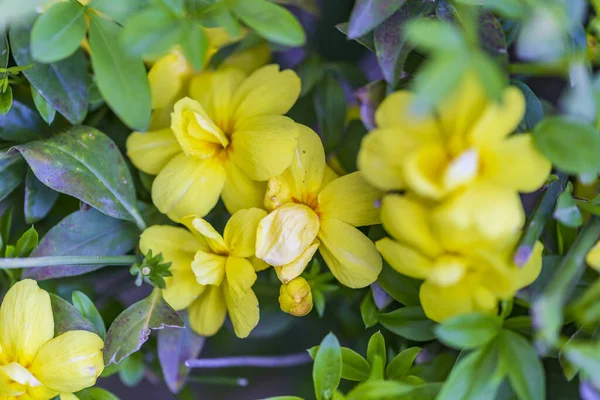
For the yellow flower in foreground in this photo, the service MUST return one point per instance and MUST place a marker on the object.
(212, 274)
(33, 363)
(311, 208)
(461, 155)
(593, 257)
(226, 140)
(295, 297)
(456, 282)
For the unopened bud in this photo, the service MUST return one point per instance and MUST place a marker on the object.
(295, 297)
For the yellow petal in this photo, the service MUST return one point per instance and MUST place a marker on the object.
(448, 270)
(68, 396)
(308, 165)
(396, 112)
(161, 117)
(499, 120)
(14, 380)
(295, 297)
(240, 191)
(349, 254)
(258, 264)
(528, 273)
(263, 146)
(267, 91)
(462, 170)
(424, 171)
(182, 288)
(404, 259)
(526, 175)
(188, 186)
(249, 60)
(284, 234)
(593, 257)
(70, 362)
(243, 312)
(26, 321)
(280, 190)
(443, 302)
(290, 271)
(214, 90)
(207, 314)
(195, 131)
(167, 78)
(240, 232)
(209, 268)
(240, 278)
(151, 151)
(204, 230)
(408, 221)
(351, 199)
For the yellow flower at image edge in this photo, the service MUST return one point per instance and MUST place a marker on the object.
(226, 140)
(33, 363)
(212, 274)
(312, 209)
(455, 282)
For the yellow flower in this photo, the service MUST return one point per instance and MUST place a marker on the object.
(593, 257)
(461, 155)
(295, 297)
(311, 208)
(33, 363)
(212, 274)
(226, 140)
(456, 282)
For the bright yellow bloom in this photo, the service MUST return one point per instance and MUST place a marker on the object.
(226, 140)
(456, 282)
(212, 274)
(311, 208)
(593, 257)
(34, 364)
(461, 155)
(295, 297)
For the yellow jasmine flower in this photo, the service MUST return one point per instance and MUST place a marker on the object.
(462, 155)
(226, 140)
(212, 274)
(311, 208)
(33, 363)
(455, 282)
(593, 257)
(295, 297)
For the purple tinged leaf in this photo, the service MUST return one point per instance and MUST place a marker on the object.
(492, 38)
(67, 318)
(132, 328)
(367, 14)
(370, 97)
(39, 199)
(175, 346)
(82, 233)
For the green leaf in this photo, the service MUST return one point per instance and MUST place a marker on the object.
(132, 327)
(6, 100)
(571, 145)
(96, 393)
(175, 346)
(354, 366)
(507, 8)
(490, 75)
(39, 199)
(368, 310)
(525, 370)
(5, 225)
(566, 210)
(270, 21)
(330, 106)
(85, 163)
(469, 330)
(366, 40)
(586, 356)
(176, 7)
(4, 54)
(67, 318)
(58, 32)
(376, 348)
(432, 35)
(195, 45)
(44, 108)
(21, 125)
(63, 84)
(327, 369)
(367, 14)
(153, 31)
(119, 10)
(26, 243)
(121, 78)
(409, 322)
(12, 170)
(131, 369)
(83, 233)
(87, 308)
(310, 6)
(534, 112)
(492, 38)
(476, 375)
(379, 389)
(399, 365)
(310, 73)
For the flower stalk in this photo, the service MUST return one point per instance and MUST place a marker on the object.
(34, 262)
(289, 360)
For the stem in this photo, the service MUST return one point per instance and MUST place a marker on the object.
(33, 262)
(289, 360)
(537, 220)
(139, 221)
(219, 380)
(538, 69)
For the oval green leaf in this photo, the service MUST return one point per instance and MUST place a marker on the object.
(468, 331)
(12, 170)
(525, 370)
(67, 318)
(151, 32)
(86, 307)
(409, 322)
(367, 14)
(327, 370)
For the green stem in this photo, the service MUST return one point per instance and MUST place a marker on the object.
(538, 69)
(537, 220)
(139, 221)
(219, 380)
(34, 262)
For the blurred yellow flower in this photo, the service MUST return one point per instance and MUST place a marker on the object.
(33, 363)
(311, 208)
(226, 140)
(295, 297)
(461, 155)
(593, 257)
(471, 279)
(212, 274)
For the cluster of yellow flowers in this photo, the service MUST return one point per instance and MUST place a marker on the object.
(453, 210)
(33, 363)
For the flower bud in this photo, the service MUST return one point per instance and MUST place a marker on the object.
(295, 297)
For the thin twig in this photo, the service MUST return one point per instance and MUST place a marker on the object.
(34, 262)
(289, 360)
